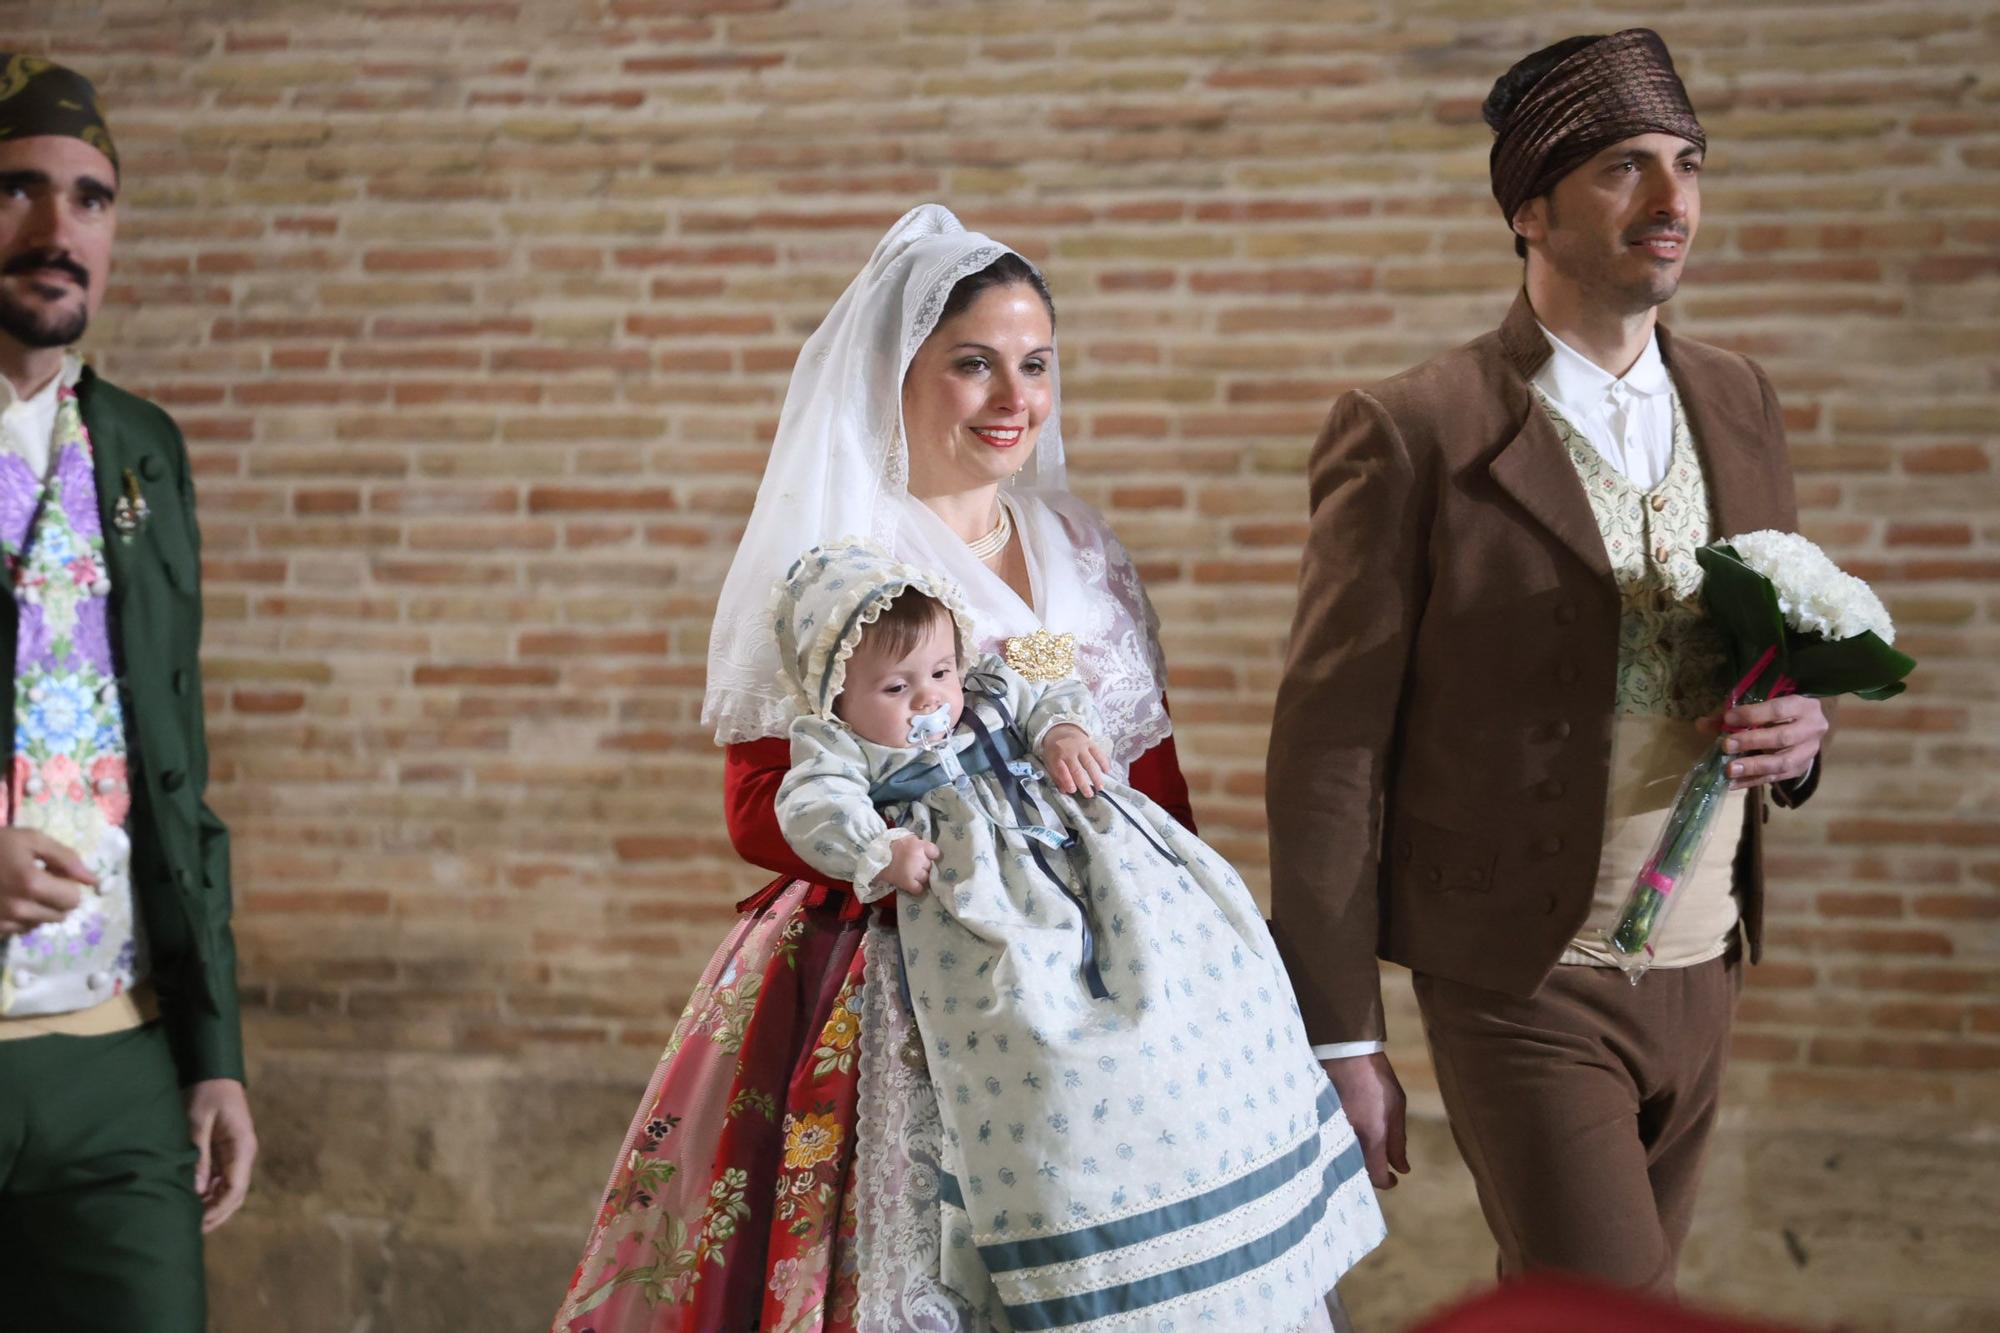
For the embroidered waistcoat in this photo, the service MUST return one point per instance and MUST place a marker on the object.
(1671, 660)
(1671, 668)
(69, 770)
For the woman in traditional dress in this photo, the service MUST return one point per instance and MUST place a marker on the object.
(782, 1172)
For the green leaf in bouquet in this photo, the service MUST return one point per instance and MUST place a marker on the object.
(1862, 665)
(1886, 692)
(1744, 606)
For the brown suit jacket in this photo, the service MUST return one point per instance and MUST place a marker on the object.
(1441, 752)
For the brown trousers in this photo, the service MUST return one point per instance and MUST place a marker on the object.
(1583, 1111)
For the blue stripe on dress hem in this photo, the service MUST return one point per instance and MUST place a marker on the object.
(1064, 1311)
(1040, 1251)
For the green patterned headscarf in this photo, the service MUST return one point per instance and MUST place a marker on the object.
(38, 96)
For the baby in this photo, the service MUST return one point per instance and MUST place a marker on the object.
(904, 688)
(1135, 1131)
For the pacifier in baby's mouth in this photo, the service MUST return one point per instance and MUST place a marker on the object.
(931, 730)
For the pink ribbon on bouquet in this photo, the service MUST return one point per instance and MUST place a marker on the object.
(1783, 686)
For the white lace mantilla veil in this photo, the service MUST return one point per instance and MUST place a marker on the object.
(839, 467)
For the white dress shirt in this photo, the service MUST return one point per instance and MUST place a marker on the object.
(28, 425)
(1628, 419)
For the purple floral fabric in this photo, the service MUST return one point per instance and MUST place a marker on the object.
(68, 777)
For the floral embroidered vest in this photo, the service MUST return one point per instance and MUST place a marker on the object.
(69, 769)
(1671, 660)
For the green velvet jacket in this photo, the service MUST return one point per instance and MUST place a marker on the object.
(180, 850)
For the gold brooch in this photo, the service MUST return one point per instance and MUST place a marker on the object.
(1042, 655)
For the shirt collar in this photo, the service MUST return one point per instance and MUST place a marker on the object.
(66, 378)
(1571, 377)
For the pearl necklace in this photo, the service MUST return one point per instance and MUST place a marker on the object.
(994, 542)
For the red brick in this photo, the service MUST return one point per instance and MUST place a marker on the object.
(450, 328)
(1946, 459)
(328, 902)
(566, 645)
(1918, 1016)
(697, 326)
(654, 256)
(318, 502)
(1876, 905)
(444, 499)
(1957, 906)
(1945, 832)
(562, 360)
(273, 330)
(1243, 571)
(599, 499)
(1284, 281)
(701, 64)
(267, 701)
(1149, 497)
(1903, 1052)
(431, 261)
(1139, 280)
(1929, 534)
(486, 675)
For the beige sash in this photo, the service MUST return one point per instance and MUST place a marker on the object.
(121, 1013)
(1649, 757)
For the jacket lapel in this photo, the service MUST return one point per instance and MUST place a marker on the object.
(1533, 467)
(108, 451)
(117, 454)
(1729, 436)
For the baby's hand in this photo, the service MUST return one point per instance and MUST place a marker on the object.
(1074, 761)
(909, 868)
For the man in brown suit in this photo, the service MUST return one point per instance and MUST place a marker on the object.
(1500, 667)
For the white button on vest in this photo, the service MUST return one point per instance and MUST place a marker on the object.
(97, 980)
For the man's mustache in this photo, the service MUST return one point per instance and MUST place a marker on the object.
(30, 260)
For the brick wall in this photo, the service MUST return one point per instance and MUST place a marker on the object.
(478, 317)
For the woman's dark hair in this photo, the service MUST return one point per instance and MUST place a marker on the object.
(1007, 271)
(1518, 82)
(903, 623)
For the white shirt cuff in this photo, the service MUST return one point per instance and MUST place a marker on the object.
(874, 860)
(1342, 1050)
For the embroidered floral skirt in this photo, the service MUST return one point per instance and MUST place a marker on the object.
(783, 1171)
(737, 1197)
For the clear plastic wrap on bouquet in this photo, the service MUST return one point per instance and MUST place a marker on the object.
(1676, 853)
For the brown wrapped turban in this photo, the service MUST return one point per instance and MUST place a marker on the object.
(1617, 87)
(40, 97)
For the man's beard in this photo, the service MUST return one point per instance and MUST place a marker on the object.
(1611, 286)
(1642, 294)
(32, 328)
(1600, 276)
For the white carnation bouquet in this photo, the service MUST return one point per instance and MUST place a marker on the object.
(1815, 595)
(1795, 623)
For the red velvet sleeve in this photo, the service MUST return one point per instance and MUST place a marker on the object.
(1157, 773)
(752, 771)
(751, 774)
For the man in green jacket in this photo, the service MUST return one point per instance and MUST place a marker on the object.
(124, 1131)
